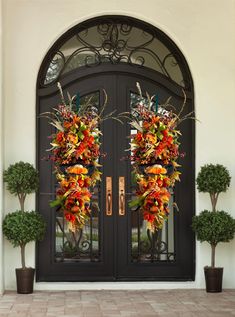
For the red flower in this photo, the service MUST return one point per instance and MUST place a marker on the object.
(60, 137)
(86, 132)
(70, 217)
(165, 132)
(81, 148)
(149, 217)
(139, 136)
(90, 140)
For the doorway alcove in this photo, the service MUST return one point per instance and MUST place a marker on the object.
(113, 53)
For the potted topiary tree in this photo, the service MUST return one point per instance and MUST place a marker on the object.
(213, 226)
(22, 227)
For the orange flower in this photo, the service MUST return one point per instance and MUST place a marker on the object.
(154, 209)
(155, 169)
(67, 124)
(77, 169)
(73, 138)
(76, 119)
(75, 209)
(151, 138)
(146, 125)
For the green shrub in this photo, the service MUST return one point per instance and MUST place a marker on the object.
(213, 227)
(21, 227)
(22, 179)
(213, 179)
(216, 226)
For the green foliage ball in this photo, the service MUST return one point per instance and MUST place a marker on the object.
(213, 179)
(214, 227)
(21, 178)
(22, 227)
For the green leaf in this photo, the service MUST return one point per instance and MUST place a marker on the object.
(55, 203)
(159, 135)
(83, 127)
(80, 135)
(138, 201)
(135, 203)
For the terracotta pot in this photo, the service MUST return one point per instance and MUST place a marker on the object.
(214, 279)
(24, 280)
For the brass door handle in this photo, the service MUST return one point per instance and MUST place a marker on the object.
(109, 205)
(122, 196)
(109, 202)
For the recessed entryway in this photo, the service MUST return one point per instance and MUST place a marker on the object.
(113, 53)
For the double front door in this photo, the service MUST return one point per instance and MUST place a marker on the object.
(115, 243)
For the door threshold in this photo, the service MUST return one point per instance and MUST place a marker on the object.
(80, 286)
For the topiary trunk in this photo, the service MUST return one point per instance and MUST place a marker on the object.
(213, 246)
(214, 199)
(22, 251)
(21, 200)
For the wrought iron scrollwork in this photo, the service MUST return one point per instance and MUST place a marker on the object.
(150, 246)
(79, 245)
(157, 246)
(114, 42)
(153, 249)
(75, 246)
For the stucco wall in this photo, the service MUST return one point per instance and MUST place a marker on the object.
(205, 34)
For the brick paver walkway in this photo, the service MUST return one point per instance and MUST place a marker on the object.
(165, 303)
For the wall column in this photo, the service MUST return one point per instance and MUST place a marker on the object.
(1, 148)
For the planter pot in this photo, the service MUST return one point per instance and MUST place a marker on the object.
(24, 280)
(214, 279)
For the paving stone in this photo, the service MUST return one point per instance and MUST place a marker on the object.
(146, 303)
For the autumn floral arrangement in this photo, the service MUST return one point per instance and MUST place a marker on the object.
(75, 153)
(154, 155)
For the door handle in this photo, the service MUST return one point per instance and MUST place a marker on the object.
(122, 196)
(109, 204)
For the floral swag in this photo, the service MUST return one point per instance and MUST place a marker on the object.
(75, 153)
(154, 154)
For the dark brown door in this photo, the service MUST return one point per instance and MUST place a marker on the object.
(116, 246)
